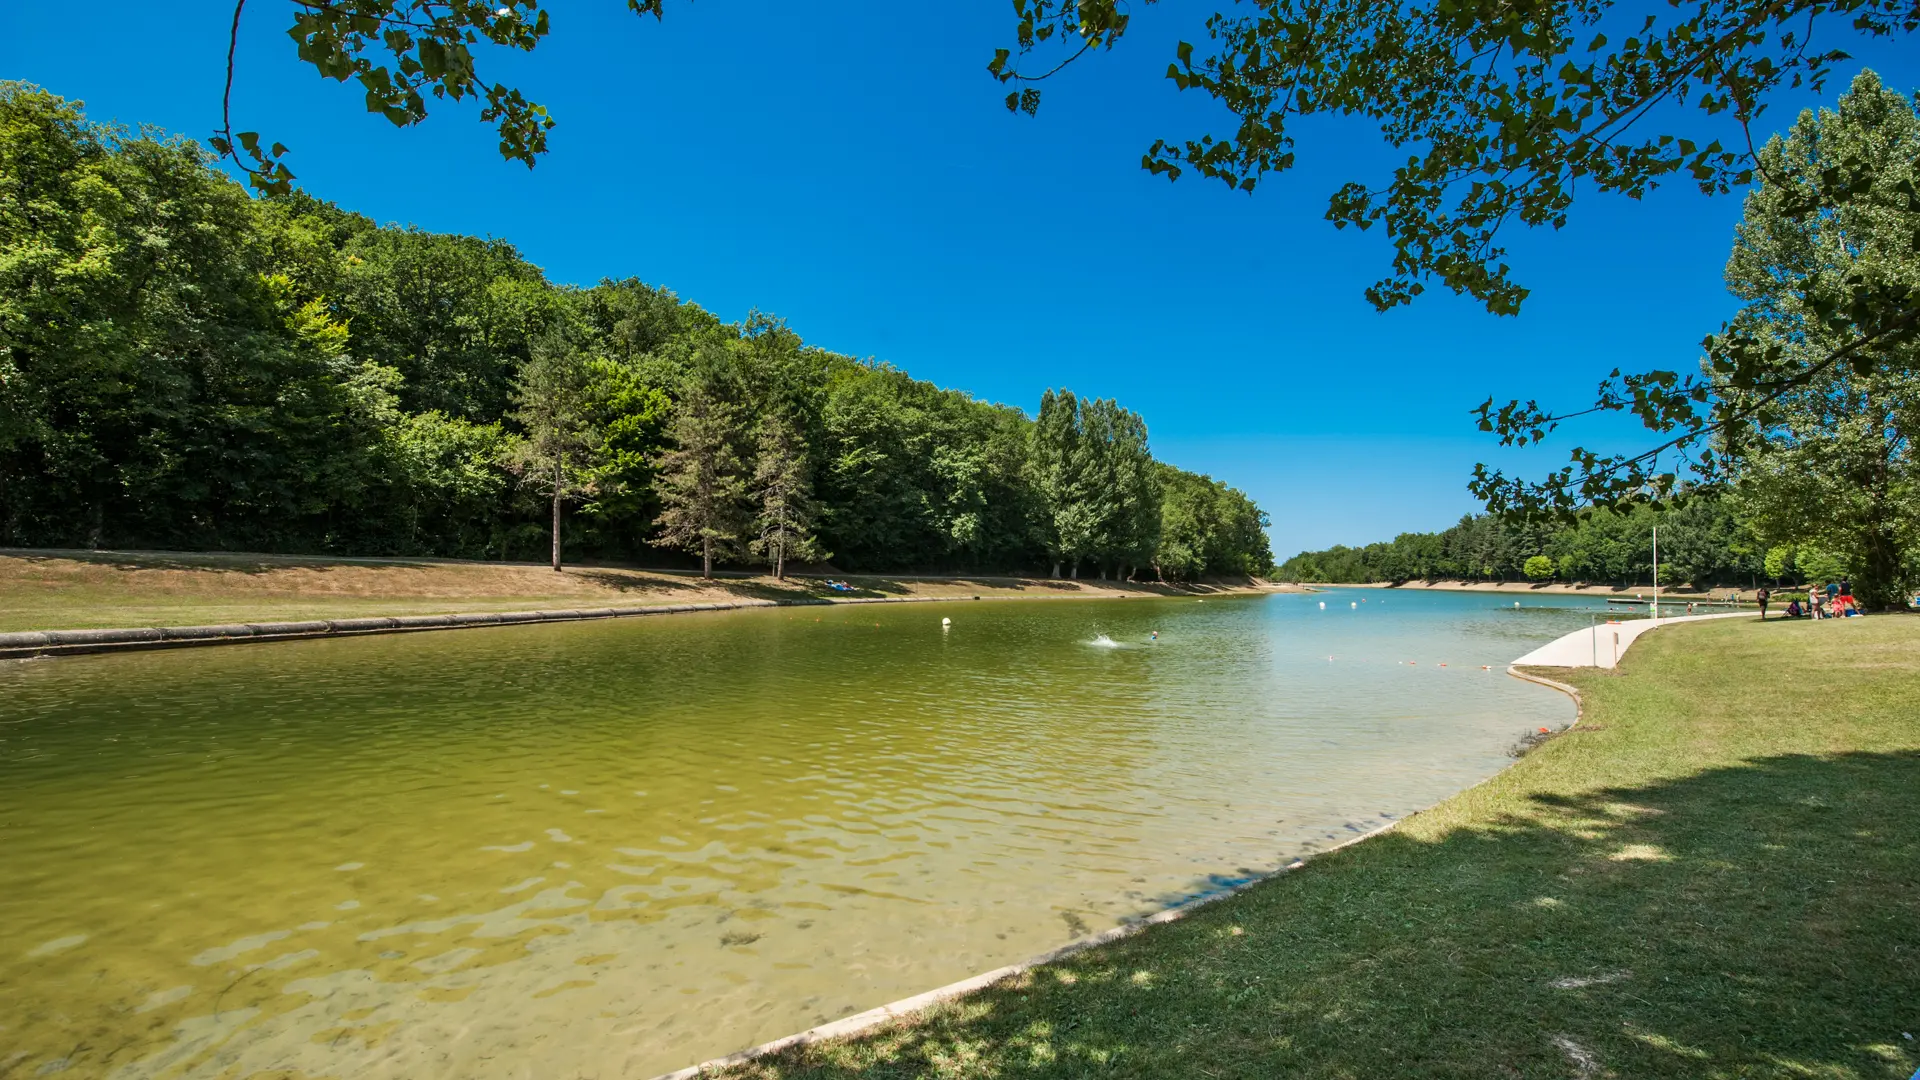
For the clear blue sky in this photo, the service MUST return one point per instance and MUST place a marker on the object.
(849, 167)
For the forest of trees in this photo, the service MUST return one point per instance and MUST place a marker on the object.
(1701, 542)
(184, 366)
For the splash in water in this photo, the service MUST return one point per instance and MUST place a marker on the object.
(1102, 641)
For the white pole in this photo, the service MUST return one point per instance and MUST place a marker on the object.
(1656, 573)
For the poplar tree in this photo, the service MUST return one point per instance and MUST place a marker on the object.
(783, 494)
(1060, 464)
(702, 484)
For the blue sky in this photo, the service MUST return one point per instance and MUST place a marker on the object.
(850, 168)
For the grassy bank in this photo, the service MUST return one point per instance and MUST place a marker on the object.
(66, 590)
(1716, 875)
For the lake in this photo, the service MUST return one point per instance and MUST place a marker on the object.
(617, 848)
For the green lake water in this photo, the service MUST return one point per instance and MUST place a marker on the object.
(615, 848)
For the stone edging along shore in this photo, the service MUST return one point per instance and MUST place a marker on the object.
(24, 644)
(895, 1010)
(29, 643)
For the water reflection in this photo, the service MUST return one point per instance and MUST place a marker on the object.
(622, 847)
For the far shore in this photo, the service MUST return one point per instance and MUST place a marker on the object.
(87, 590)
(1551, 587)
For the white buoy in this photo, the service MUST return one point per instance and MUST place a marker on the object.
(946, 623)
(1516, 603)
(1355, 607)
(1323, 605)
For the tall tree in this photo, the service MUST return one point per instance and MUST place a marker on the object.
(1826, 259)
(1832, 464)
(554, 409)
(783, 494)
(1123, 473)
(1063, 465)
(702, 485)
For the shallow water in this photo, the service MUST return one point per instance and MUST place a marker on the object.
(617, 848)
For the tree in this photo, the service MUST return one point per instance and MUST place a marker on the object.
(1061, 465)
(701, 483)
(1121, 469)
(554, 410)
(185, 367)
(1826, 264)
(1779, 560)
(1539, 568)
(1506, 109)
(783, 490)
(1839, 475)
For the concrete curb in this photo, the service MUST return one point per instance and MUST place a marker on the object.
(895, 1010)
(31, 643)
(26, 644)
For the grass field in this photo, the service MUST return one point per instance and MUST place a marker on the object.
(1716, 875)
(68, 590)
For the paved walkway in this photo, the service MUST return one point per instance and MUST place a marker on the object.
(1604, 645)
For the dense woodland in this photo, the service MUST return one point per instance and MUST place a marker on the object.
(184, 366)
(1701, 542)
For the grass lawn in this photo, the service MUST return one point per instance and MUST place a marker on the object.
(1716, 875)
(70, 590)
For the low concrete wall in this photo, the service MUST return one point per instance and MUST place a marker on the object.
(31, 643)
(68, 642)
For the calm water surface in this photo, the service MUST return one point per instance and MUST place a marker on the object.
(616, 848)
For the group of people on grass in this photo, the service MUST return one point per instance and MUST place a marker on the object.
(1834, 600)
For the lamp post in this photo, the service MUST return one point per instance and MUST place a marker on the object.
(1656, 573)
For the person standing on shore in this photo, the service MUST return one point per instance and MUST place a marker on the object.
(1762, 595)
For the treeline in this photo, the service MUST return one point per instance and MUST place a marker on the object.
(1702, 542)
(183, 366)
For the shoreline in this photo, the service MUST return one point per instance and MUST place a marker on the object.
(1553, 588)
(907, 1007)
(37, 644)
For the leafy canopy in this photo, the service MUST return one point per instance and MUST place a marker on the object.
(1505, 108)
(402, 52)
(1828, 264)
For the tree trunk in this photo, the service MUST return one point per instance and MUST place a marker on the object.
(706, 557)
(556, 515)
(1075, 572)
(1056, 569)
(780, 560)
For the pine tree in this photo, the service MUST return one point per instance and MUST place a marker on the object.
(702, 482)
(551, 397)
(783, 492)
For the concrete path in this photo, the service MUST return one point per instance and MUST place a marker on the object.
(1604, 645)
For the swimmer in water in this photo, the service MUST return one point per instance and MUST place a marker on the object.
(1153, 635)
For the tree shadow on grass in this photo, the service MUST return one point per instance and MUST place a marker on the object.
(1754, 921)
(214, 561)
